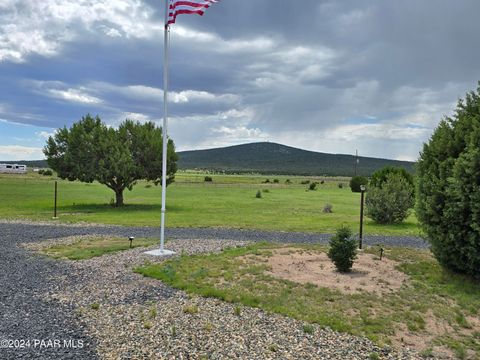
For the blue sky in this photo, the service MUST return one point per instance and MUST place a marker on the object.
(330, 76)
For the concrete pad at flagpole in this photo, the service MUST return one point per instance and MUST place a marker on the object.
(159, 252)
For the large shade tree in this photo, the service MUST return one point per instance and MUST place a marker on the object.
(91, 151)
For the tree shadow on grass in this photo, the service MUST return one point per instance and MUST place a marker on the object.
(96, 208)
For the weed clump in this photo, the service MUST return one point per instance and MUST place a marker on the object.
(328, 209)
(192, 309)
(308, 329)
(259, 194)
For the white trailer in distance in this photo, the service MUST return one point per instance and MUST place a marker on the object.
(13, 169)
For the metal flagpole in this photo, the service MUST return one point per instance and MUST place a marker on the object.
(162, 251)
(164, 127)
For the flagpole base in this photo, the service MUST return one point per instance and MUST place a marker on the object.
(158, 252)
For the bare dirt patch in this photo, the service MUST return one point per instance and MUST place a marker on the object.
(435, 327)
(368, 273)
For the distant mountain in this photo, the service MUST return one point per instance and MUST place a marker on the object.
(269, 158)
(29, 163)
(272, 158)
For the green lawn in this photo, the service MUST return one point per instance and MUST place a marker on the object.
(431, 296)
(227, 202)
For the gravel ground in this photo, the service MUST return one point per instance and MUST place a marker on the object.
(24, 312)
(136, 317)
(210, 233)
(118, 314)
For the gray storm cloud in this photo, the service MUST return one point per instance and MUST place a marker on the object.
(327, 75)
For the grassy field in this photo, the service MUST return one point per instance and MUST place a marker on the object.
(435, 310)
(229, 201)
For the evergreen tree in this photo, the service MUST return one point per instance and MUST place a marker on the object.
(356, 182)
(90, 151)
(448, 203)
(379, 177)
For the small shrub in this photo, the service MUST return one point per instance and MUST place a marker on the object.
(267, 181)
(305, 182)
(313, 186)
(40, 172)
(48, 172)
(208, 179)
(328, 208)
(356, 182)
(322, 182)
(391, 203)
(340, 185)
(266, 191)
(343, 249)
(276, 181)
(148, 186)
(259, 194)
(288, 181)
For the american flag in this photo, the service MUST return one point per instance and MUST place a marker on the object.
(178, 7)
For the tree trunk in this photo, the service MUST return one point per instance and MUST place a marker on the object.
(119, 198)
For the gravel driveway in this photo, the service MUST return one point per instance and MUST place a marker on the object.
(32, 307)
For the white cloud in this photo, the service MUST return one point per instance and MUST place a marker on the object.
(201, 96)
(60, 90)
(17, 152)
(238, 134)
(236, 45)
(142, 118)
(74, 95)
(44, 134)
(376, 131)
(42, 27)
(142, 92)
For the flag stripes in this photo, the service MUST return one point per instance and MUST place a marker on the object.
(178, 7)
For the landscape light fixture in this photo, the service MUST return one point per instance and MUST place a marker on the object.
(362, 191)
(131, 238)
